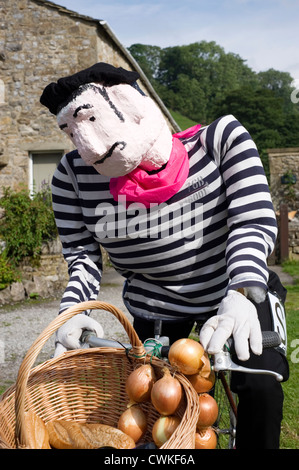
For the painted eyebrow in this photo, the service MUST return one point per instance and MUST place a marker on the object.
(84, 106)
(103, 92)
(105, 95)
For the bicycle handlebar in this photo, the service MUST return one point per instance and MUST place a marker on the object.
(222, 360)
(95, 342)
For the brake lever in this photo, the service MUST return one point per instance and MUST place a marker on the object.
(223, 361)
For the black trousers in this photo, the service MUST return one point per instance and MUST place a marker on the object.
(260, 408)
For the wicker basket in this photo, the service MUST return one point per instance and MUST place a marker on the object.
(87, 385)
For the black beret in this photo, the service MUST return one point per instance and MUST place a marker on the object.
(55, 94)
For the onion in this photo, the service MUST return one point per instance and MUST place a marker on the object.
(206, 439)
(200, 383)
(166, 394)
(139, 384)
(204, 380)
(133, 422)
(186, 355)
(163, 428)
(206, 366)
(208, 411)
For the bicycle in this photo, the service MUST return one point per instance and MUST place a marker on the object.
(221, 364)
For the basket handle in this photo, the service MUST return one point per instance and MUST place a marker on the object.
(33, 352)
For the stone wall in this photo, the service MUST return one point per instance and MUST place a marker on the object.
(285, 162)
(47, 279)
(294, 239)
(38, 44)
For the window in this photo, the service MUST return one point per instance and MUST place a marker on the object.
(42, 167)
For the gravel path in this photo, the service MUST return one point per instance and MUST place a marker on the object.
(21, 324)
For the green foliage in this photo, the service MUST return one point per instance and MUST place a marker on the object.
(261, 113)
(8, 273)
(202, 82)
(191, 79)
(28, 221)
(148, 57)
(280, 83)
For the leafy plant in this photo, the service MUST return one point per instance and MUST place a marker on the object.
(8, 273)
(28, 221)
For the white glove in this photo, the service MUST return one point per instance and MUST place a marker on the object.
(236, 317)
(69, 334)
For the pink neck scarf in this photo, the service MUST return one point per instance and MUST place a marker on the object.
(140, 186)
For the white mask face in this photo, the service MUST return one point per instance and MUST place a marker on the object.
(114, 128)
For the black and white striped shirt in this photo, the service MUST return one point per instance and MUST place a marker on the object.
(215, 233)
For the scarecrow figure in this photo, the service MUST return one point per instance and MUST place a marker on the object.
(186, 219)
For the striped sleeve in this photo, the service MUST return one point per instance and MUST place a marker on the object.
(251, 218)
(79, 248)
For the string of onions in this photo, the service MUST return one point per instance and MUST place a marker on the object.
(166, 393)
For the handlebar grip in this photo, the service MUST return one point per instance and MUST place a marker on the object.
(271, 339)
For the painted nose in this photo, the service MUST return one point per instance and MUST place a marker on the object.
(120, 145)
(90, 149)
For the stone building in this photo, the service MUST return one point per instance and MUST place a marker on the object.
(39, 43)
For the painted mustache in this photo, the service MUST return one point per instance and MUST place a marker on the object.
(120, 144)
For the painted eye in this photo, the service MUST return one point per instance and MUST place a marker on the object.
(92, 118)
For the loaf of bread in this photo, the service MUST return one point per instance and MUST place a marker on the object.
(36, 433)
(65, 434)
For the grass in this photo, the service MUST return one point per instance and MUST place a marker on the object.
(183, 121)
(290, 426)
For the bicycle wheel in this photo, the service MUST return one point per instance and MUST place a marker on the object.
(225, 425)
